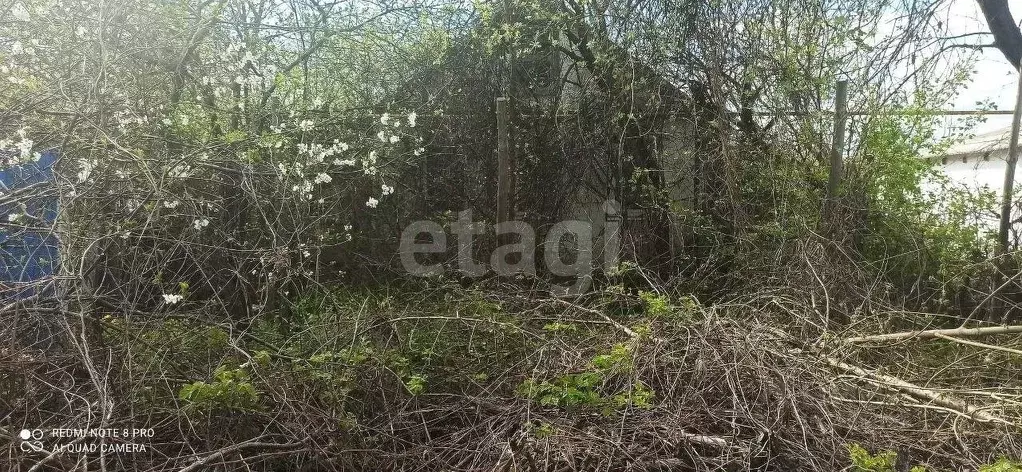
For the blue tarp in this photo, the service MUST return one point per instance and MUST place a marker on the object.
(28, 246)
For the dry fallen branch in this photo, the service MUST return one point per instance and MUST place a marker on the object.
(979, 345)
(201, 463)
(920, 393)
(705, 440)
(600, 314)
(935, 333)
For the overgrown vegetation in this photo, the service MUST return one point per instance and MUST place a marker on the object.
(235, 179)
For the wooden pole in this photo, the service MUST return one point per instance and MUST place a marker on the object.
(1001, 263)
(837, 145)
(1009, 174)
(505, 170)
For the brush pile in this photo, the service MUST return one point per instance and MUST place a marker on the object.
(453, 379)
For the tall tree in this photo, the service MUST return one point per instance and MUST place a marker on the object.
(1007, 36)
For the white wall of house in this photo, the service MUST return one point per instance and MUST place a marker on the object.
(978, 164)
(977, 171)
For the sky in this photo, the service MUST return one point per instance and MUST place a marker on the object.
(994, 78)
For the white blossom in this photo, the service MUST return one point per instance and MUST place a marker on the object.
(24, 146)
(305, 187)
(384, 118)
(305, 125)
(86, 171)
(411, 119)
(369, 164)
(201, 223)
(386, 189)
(323, 178)
(18, 12)
(13, 217)
(394, 139)
(171, 299)
(372, 202)
(382, 136)
(172, 204)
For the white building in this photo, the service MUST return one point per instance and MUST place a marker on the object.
(978, 162)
